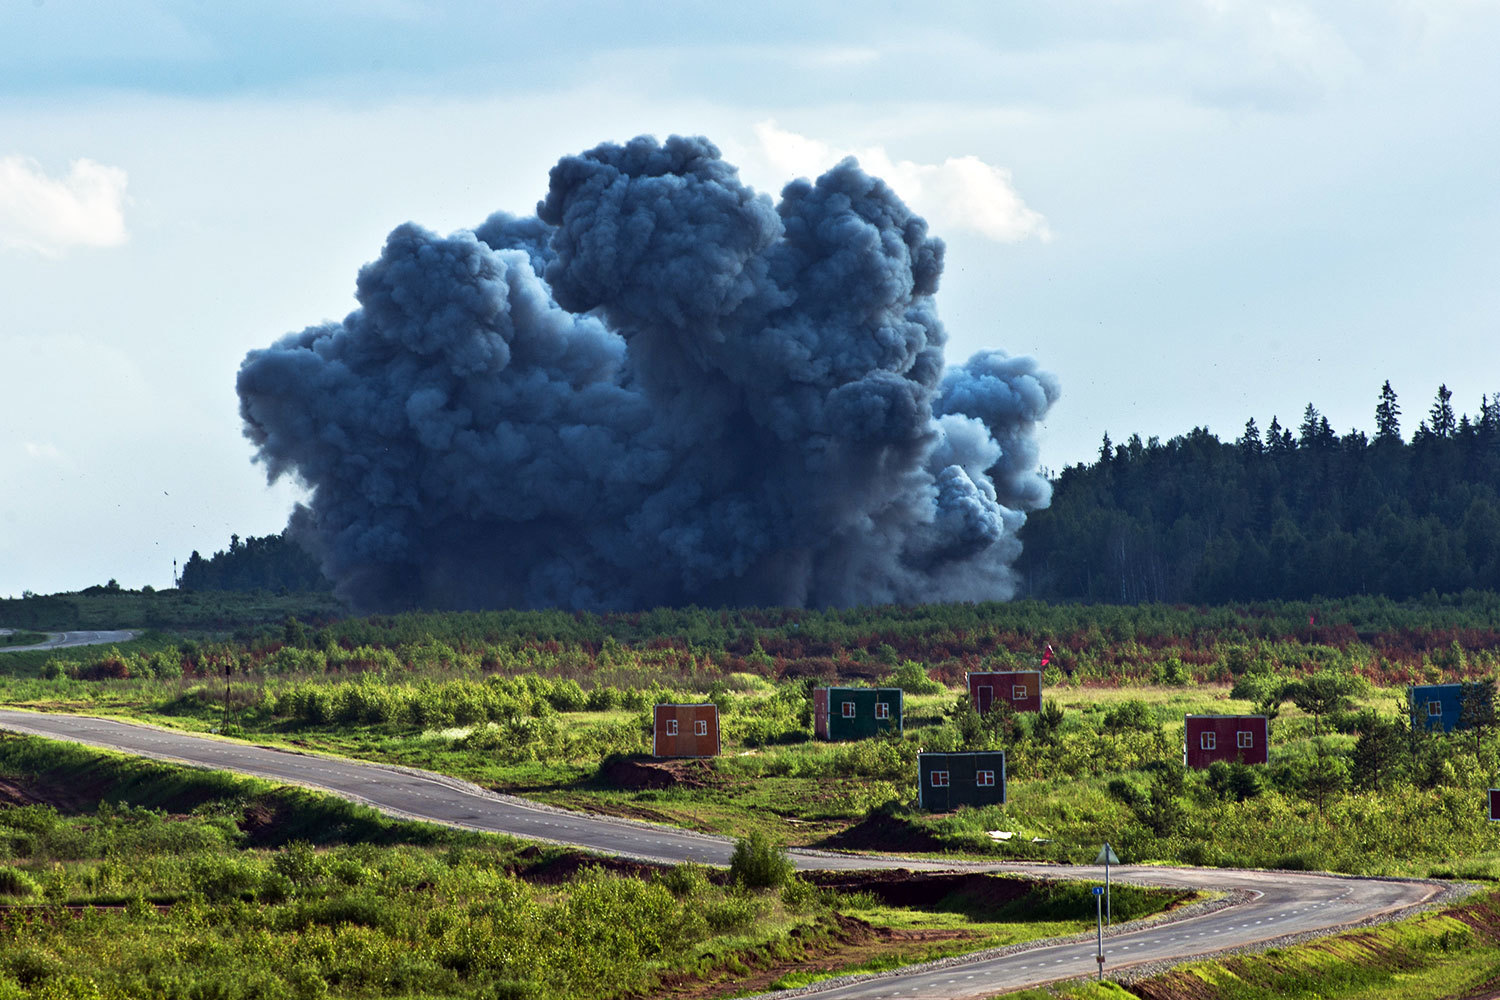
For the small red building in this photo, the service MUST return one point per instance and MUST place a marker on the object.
(685, 731)
(1243, 738)
(1495, 805)
(1021, 689)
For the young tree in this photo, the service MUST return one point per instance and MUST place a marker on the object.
(1323, 693)
(1476, 708)
(1327, 775)
(1387, 416)
(1378, 750)
(1048, 722)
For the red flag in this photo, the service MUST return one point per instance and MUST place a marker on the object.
(1312, 618)
(1047, 655)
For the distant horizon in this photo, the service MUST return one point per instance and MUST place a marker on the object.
(1192, 214)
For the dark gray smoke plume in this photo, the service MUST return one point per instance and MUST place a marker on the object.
(662, 389)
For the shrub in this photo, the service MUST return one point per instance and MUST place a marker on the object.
(684, 881)
(567, 696)
(1131, 714)
(911, 677)
(758, 863)
(14, 882)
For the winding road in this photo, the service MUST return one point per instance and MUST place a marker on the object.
(65, 640)
(1278, 904)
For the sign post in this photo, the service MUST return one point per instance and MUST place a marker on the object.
(1106, 858)
(1099, 930)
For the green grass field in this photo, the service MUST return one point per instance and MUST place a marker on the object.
(186, 883)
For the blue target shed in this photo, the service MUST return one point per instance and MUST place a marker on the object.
(1436, 706)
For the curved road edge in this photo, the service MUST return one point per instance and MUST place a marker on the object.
(68, 640)
(1275, 904)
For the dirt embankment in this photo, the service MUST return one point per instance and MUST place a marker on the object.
(635, 773)
(70, 798)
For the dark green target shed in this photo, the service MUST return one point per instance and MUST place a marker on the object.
(946, 781)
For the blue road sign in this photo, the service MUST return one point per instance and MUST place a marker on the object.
(1098, 890)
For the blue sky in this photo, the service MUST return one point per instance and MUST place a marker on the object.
(1191, 212)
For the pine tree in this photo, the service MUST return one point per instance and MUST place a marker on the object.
(1249, 442)
(1307, 434)
(1387, 416)
(1278, 440)
(1441, 413)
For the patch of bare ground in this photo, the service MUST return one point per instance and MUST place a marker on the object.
(71, 798)
(882, 832)
(543, 868)
(633, 773)
(973, 891)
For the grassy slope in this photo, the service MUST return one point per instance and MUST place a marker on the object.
(289, 921)
(799, 794)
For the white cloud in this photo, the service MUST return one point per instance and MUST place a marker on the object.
(46, 452)
(962, 192)
(84, 208)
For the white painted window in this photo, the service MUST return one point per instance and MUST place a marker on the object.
(1246, 739)
(882, 710)
(986, 779)
(671, 727)
(939, 779)
(700, 727)
(1207, 741)
(1018, 692)
(1434, 709)
(848, 709)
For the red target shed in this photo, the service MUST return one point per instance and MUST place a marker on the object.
(1021, 689)
(1243, 738)
(685, 731)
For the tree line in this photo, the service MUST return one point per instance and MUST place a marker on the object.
(273, 562)
(1278, 514)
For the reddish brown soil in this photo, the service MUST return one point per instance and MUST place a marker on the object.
(70, 799)
(633, 773)
(880, 832)
(557, 869)
(922, 890)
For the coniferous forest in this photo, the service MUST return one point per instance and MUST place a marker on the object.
(272, 562)
(1283, 513)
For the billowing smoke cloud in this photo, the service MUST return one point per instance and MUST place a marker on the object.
(662, 389)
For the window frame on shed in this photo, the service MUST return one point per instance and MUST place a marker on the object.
(1208, 741)
(1245, 739)
(938, 779)
(671, 727)
(882, 710)
(700, 727)
(984, 779)
(847, 709)
(1434, 709)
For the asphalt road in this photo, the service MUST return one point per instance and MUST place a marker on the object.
(63, 640)
(1281, 903)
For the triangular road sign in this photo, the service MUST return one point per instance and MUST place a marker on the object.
(1106, 856)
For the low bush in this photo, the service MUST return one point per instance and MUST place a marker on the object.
(759, 863)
